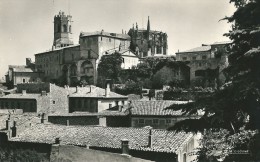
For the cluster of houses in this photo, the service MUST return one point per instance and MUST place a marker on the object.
(71, 122)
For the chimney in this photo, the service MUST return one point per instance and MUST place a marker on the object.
(120, 107)
(14, 129)
(150, 139)
(43, 93)
(23, 92)
(8, 124)
(57, 140)
(125, 146)
(43, 118)
(68, 123)
(107, 90)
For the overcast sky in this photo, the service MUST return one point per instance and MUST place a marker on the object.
(26, 26)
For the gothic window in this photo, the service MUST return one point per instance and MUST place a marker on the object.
(58, 30)
(65, 28)
(73, 70)
(89, 54)
(199, 73)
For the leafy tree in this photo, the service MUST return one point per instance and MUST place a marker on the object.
(110, 66)
(235, 105)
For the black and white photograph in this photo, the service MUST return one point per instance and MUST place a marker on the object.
(129, 80)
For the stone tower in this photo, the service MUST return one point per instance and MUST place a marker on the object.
(62, 30)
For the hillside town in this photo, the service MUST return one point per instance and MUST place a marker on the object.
(123, 97)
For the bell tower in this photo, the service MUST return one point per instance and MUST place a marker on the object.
(62, 30)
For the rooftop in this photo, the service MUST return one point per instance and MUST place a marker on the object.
(92, 91)
(23, 96)
(155, 108)
(58, 49)
(106, 137)
(198, 49)
(102, 33)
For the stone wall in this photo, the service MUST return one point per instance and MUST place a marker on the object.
(74, 120)
(33, 87)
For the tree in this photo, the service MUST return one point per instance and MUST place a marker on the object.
(235, 106)
(110, 66)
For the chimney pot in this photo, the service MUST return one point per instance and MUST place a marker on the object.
(107, 91)
(57, 140)
(43, 93)
(150, 139)
(8, 124)
(43, 118)
(23, 92)
(125, 146)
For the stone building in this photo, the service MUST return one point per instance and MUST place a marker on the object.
(22, 74)
(147, 42)
(69, 64)
(206, 63)
(37, 98)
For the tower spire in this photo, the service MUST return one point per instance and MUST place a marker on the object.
(148, 25)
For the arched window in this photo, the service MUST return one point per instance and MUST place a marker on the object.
(58, 28)
(64, 28)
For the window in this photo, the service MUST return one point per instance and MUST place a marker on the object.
(101, 38)
(168, 121)
(199, 73)
(155, 121)
(204, 57)
(184, 58)
(109, 39)
(141, 121)
(65, 28)
(23, 80)
(89, 54)
(194, 58)
(123, 60)
(53, 102)
(199, 64)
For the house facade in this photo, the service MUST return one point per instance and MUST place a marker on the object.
(206, 63)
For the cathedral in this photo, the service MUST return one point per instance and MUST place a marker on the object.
(68, 64)
(147, 42)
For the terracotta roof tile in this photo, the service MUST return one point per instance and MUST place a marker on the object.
(198, 49)
(100, 33)
(95, 92)
(107, 137)
(155, 107)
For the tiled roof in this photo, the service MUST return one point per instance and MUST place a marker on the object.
(100, 33)
(198, 49)
(223, 42)
(96, 92)
(106, 137)
(21, 119)
(57, 49)
(102, 113)
(25, 70)
(156, 107)
(21, 96)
